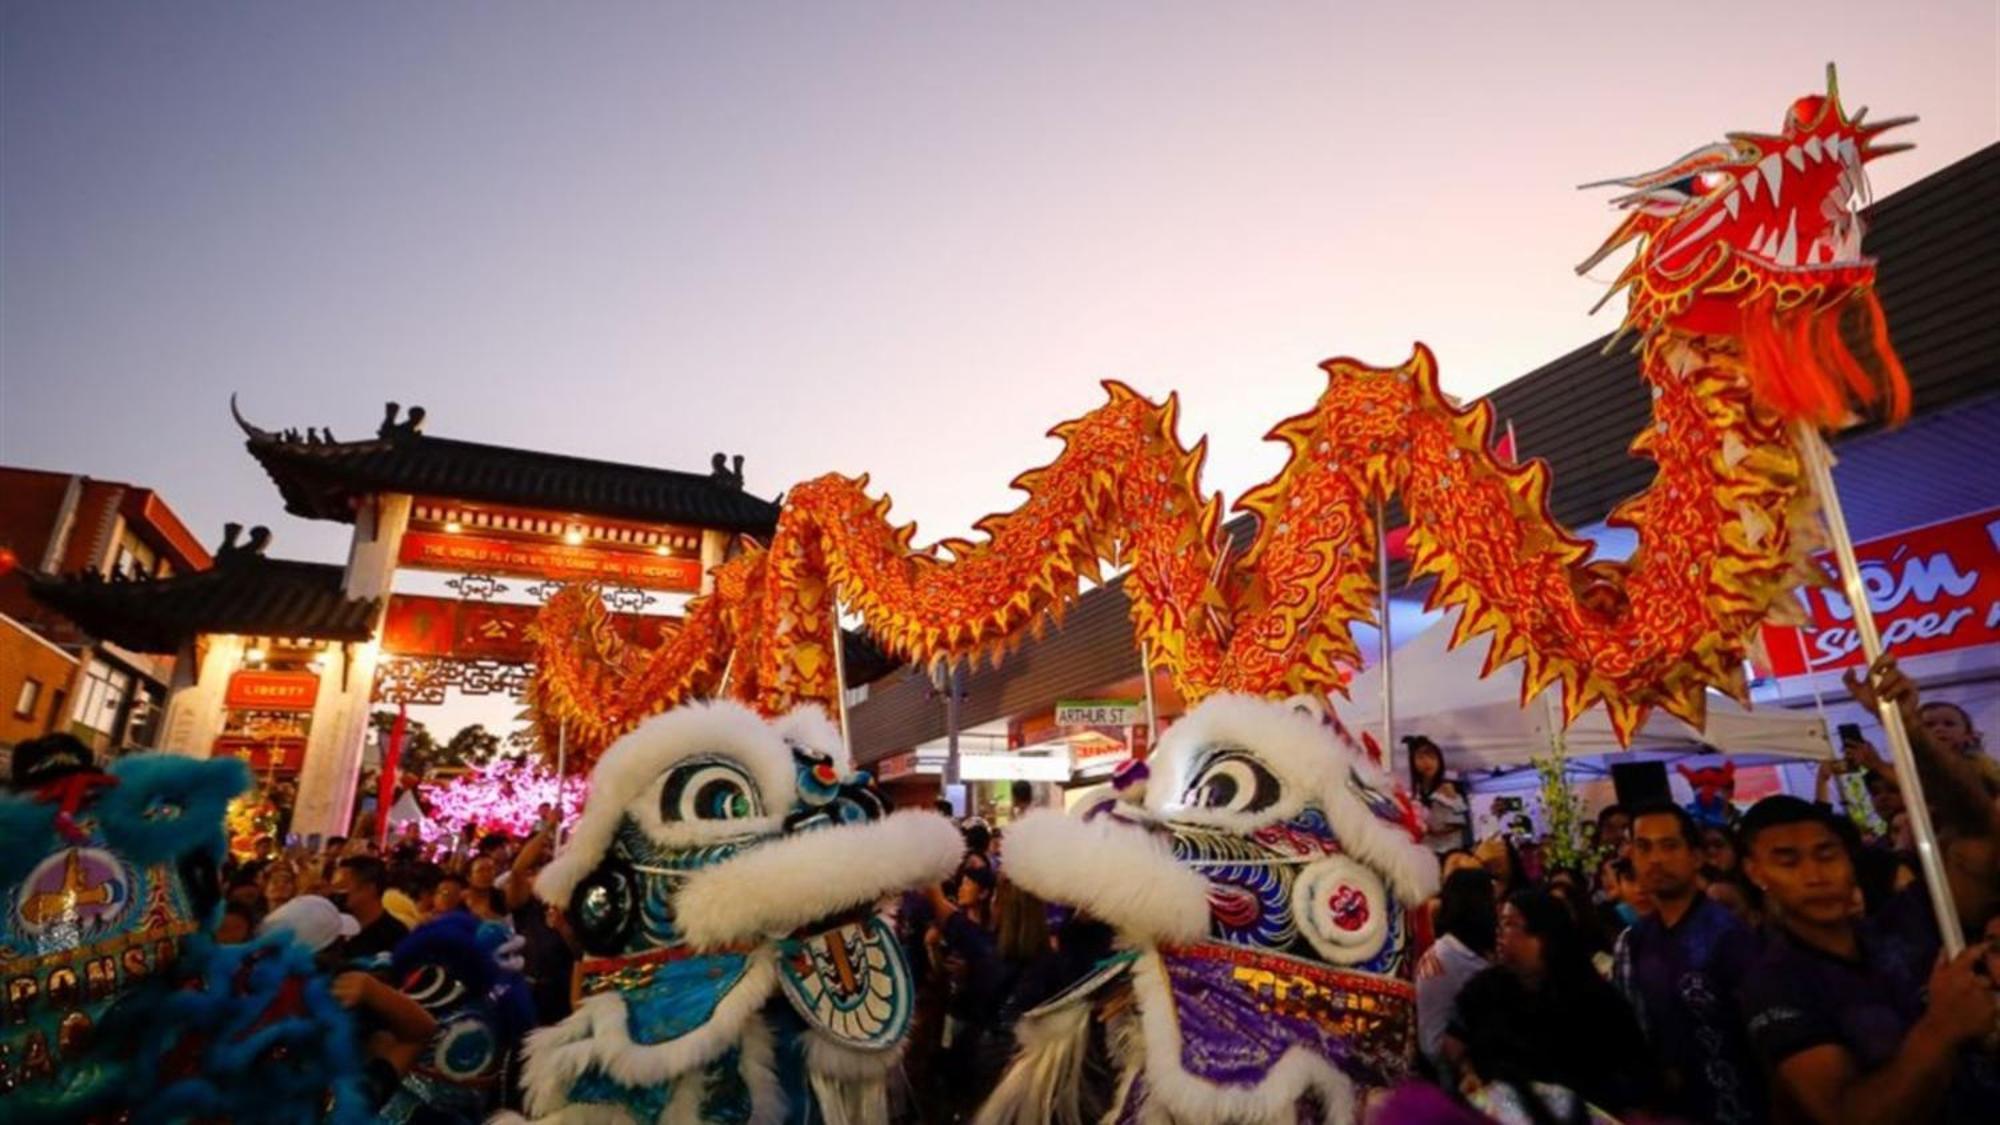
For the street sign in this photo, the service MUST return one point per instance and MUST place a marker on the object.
(1100, 712)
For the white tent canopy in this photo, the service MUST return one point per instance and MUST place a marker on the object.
(1483, 727)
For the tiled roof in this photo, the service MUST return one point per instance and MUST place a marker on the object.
(326, 480)
(251, 596)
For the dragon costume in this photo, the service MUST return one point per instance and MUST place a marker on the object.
(119, 1006)
(1754, 313)
(722, 882)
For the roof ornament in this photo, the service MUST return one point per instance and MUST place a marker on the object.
(252, 432)
(231, 552)
(393, 430)
(726, 473)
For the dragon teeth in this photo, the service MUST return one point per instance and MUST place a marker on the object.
(1796, 157)
(1788, 250)
(1812, 148)
(1773, 167)
(1732, 202)
(1750, 183)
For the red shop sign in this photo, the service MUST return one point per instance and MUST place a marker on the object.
(1933, 589)
(272, 691)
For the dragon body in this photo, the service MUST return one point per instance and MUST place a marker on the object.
(1755, 314)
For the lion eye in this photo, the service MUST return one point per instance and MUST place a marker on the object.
(1232, 781)
(708, 791)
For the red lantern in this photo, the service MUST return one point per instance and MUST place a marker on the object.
(8, 561)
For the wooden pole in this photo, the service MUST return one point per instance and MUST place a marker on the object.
(562, 773)
(1819, 469)
(840, 682)
(1388, 665)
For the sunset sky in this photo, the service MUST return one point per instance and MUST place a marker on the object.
(903, 239)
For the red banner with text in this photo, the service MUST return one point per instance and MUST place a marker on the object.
(1932, 589)
(482, 554)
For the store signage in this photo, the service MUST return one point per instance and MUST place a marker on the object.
(485, 554)
(1012, 767)
(1100, 712)
(420, 625)
(284, 754)
(1932, 589)
(254, 690)
(896, 766)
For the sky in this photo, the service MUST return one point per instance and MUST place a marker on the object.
(901, 239)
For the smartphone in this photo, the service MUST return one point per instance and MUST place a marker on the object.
(1850, 733)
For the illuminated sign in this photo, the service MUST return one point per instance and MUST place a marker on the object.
(485, 554)
(420, 625)
(271, 691)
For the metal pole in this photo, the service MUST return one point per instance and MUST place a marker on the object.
(1819, 468)
(562, 773)
(840, 681)
(1388, 666)
(951, 763)
(1152, 712)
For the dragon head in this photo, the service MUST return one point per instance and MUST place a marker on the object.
(1756, 237)
(1267, 852)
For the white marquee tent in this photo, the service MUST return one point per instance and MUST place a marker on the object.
(1485, 730)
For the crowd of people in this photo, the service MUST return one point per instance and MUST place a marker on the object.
(1781, 965)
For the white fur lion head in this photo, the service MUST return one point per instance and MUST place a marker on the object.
(1260, 826)
(708, 826)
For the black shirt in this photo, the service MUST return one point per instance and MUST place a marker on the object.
(1683, 982)
(377, 937)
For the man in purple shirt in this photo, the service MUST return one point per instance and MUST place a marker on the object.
(1682, 968)
(1836, 1004)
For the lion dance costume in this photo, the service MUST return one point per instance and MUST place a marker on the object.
(722, 881)
(119, 1006)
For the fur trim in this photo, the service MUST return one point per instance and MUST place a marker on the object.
(829, 1056)
(571, 1115)
(1115, 872)
(198, 789)
(756, 1064)
(1274, 1101)
(779, 886)
(1044, 1082)
(850, 1087)
(635, 765)
(596, 1035)
(810, 726)
(1314, 769)
(29, 827)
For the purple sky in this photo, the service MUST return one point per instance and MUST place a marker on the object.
(901, 239)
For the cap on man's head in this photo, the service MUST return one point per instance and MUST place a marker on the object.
(41, 760)
(313, 922)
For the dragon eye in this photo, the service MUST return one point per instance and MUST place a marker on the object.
(1232, 781)
(708, 791)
